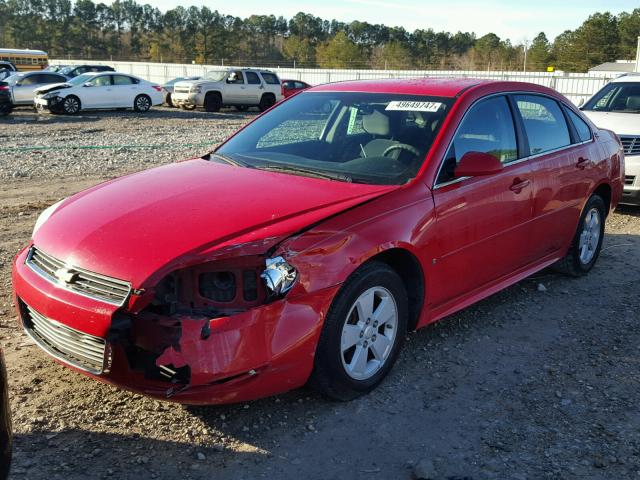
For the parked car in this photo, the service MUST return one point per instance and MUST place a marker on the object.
(22, 86)
(99, 91)
(242, 88)
(4, 73)
(6, 105)
(308, 244)
(5, 65)
(291, 87)
(616, 106)
(73, 71)
(167, 88)
(55, 68)
(6, 438)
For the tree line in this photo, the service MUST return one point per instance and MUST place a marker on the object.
(127, 30)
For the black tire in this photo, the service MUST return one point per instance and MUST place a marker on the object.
(71, 105)
(572, 264)
(142, 103)
(242, 108)
(212, 102)
(5, 109)
(168, 100)
(329, 374)
(267, 101)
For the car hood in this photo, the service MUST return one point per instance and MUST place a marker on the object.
(193, 83)
(135, 227)
(51, 88)
(620, 123)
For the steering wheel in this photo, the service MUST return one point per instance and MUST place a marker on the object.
(402, 146)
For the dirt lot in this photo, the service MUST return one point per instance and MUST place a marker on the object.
(540, 381)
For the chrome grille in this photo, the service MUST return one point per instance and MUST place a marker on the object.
(631, 145)
(629, 179)
(89, 284)
(65, 343)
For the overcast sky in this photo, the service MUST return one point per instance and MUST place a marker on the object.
(516, 20)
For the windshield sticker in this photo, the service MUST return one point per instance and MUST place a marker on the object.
(352, 120)
(409, 106)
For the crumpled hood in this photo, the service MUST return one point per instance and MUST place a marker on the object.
(134, 226)
(51, 88)
(620, 123)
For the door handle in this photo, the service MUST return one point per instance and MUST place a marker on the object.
(582, 163)
(518, 185)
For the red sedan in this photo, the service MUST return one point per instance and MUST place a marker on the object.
(307, 245)
(290, 87)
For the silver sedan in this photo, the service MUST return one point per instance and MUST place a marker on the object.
(22, 85)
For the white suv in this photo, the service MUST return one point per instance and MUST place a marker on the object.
(617, 107)
(241, 88)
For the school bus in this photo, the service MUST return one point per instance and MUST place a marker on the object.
(25, 60)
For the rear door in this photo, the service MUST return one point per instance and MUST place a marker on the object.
(254, 88)
(484, 222)
(558, 159)
(124, 90)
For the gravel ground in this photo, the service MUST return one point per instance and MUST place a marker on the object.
(540, 381)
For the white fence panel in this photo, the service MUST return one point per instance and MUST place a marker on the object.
(575, 86)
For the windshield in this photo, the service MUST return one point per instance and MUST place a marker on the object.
(215, 75)
(616, 97)
(66, 70)
(80, 79)
(361, 137)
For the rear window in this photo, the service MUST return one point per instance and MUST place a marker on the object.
(270, 78)
(252, 78)
(544, 123)
(583, 130)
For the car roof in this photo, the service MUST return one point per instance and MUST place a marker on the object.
(630, 78)
(437, 87)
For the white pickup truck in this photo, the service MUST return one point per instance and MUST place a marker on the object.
(241, 88)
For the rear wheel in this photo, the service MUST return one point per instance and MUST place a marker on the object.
(267, 101)
(168, 100)
(587, 242)
(71, 105)
(212, 102)
(142, 103)
(5, 109)
(362, 333)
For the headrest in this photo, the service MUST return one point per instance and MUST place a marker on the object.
(376, 123)
(633, 102)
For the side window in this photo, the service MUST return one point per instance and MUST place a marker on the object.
(300, 85)
(270, 78)
(544, 123)
(102, 81)
(252, 78)
(235, 77)
(487, 128)
(121, 80)
(584, 132)
(52, 79)
(30, 80)
(80, 70)
(288, 85)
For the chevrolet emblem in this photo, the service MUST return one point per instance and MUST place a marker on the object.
(65, 275)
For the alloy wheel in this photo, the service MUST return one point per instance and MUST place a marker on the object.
(590, 236)
(369, 332)
(71, 105)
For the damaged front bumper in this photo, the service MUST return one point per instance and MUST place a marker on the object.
(183, 357)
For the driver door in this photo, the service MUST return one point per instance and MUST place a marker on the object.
(97, 92)
(235, 88)
(483, 222)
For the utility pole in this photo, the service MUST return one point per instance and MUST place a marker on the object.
(637, 68)
(526, 47)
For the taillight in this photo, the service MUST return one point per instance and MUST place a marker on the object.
(4, 87)
(157, 88)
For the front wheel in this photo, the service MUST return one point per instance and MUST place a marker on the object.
(587, 242)
(362, 333)
(71, 105)
(5, 109)
(212, 102)
(142, 103)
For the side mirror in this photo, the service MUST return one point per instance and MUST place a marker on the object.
(88, 84)
(475, 164)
